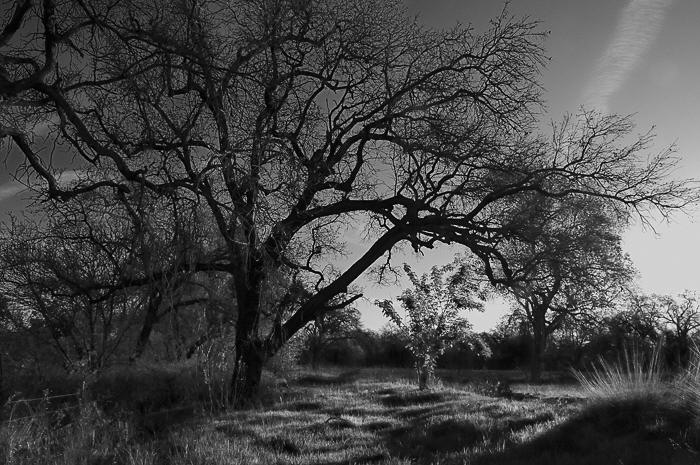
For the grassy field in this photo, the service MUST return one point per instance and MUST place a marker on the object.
(379, 417)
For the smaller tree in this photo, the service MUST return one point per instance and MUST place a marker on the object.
(433, 322)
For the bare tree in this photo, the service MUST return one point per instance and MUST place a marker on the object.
(292, 121)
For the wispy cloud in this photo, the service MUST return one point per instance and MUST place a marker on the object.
(636, 30)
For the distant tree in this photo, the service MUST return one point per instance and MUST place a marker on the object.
(681, 317)
(289, 121)
(330, 328)
(566, 263)
(637, 323)
(677, 319)
(433, 322)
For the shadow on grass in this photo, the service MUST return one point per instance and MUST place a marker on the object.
(422, 413)
(630, 431)
(329, 380)
(379, 426)
(281, 445)
(305, 406)
(447, 436)
(405, 399)
(363, 460)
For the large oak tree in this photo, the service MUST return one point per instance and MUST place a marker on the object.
(293, 120)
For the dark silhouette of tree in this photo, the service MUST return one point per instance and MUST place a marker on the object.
(288, 122)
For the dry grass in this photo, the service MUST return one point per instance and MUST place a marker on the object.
(635, 375)
(338, 418)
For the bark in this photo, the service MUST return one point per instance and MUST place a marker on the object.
(425, 369)
(251, 352)
(539, 342)
(247, 373)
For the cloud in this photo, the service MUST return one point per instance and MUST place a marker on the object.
(636, 30)
(11, 188)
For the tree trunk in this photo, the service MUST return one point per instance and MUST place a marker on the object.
(251, 352)
(247, 373)
(423, 378)
(425, 370)
(149, 321)
(539, 340)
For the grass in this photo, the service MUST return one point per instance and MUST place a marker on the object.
(379, 417)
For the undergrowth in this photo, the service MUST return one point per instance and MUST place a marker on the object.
(636, 413)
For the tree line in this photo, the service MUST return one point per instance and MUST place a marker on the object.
(635, 322)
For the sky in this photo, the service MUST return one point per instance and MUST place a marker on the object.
(635, 57)
(622, 56)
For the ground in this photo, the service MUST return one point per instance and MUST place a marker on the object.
(379, 417)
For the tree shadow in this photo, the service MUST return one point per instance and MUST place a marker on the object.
(630, 431)
(305, 406)
(417, 442)
(328, 380)
(406, 399)
(362, 460)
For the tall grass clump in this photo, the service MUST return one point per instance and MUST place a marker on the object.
(688, 383)
(636, 374)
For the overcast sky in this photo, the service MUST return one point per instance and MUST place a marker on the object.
(621, 56)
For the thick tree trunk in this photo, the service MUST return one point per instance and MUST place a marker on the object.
(247, 373)
(251, 352)
(539, 342)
